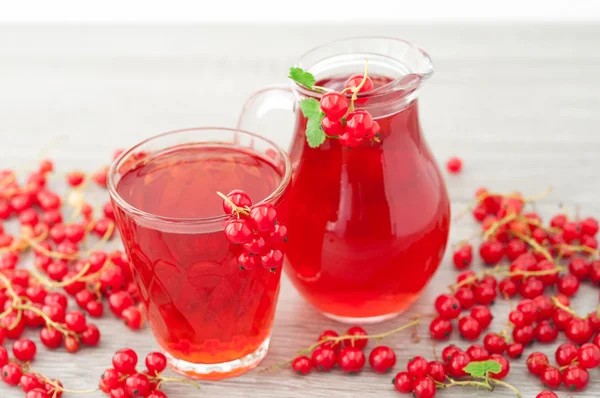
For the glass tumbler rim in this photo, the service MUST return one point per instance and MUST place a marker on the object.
(130, 209)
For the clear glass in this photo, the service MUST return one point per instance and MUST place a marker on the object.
(370, 224)
(212, 319)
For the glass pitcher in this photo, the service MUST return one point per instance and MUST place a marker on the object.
(368, 226)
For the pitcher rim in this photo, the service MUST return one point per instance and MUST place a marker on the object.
(391, 86)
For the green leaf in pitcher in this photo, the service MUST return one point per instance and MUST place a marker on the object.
(302, 77)
(311, 110)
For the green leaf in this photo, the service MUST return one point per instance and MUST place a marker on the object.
(300, 76)
(310, 107)
(482, 368)
(315, 135)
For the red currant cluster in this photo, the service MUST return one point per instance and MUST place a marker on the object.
(124, 381)
(573, 363)
(423, 378)
(86, 275)
(14, 373)
(347, 352)
(255, 230)
(350, 126)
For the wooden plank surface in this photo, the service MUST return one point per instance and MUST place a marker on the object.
(520, 104)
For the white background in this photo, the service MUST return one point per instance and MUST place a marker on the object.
(298, 11)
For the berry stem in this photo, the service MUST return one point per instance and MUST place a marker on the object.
(577, 248)
(536, 246)
(472, 383)
(492, 230)
(236, 209)
(563, 307)
(507, 385)
(162, 380)
(357, 88)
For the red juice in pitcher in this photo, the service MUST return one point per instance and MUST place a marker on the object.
(211, 318)
(370, 223)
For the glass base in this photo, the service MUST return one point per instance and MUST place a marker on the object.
(218, 371)
(363, 321)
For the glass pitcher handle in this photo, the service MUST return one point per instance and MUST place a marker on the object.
(257, 116)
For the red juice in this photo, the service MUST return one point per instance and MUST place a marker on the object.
(370, 224)
(202, 308)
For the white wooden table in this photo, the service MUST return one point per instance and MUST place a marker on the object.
(520, 105)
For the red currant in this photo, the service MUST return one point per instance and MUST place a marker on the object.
(29, 382)
(75, 321)
(91, 335)
(111, 379)
(578, 330)
(485, 294)
(51, 337)
(272, 259)
(124, 360)
(546, 394)
(132, 317)
(349, 141)
(579, 267)
(561, 319)
(532, 288)
(403, 382)
(529, 309)
(466, 297)
(264, 217)
(454, 165)
(354, 81)
(137, 385)
(551, 377)
(382, 359)
(24, 350)
(156, 363)
(588, 356)
(332, 127)
(523, 334)
(505, 366)
(545, 332)
(3, 356)
(418, 367)
(11, 374)
(331, 344)
(508, 288)
(491, 251)
(440, 328)
(457, 363)
(239, 198)
(359, 124)
(545, 308)
(483, 315)
(437, 371)
(447, 306)
(324, 358)
(537, 362)
(494, 343)
(576, 378)
(357, 343)
(477, 353)
(568, 285)
(469, 328)
(351, 360)
(424, 387)
(334, 105)
(302, 365)
(449, 351)
(515, 350)
(463, 256)
(238, 232)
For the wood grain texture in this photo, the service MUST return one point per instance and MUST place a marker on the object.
(520, 104)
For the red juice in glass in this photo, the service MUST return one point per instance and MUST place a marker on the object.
(370, 223)
(211, 318)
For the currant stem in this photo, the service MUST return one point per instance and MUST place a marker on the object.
(507, 385)
(472, 383)
(492, 230)
(357, 88)
(563, 307)
(533, 243)
(162, 379)
(236, 209)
